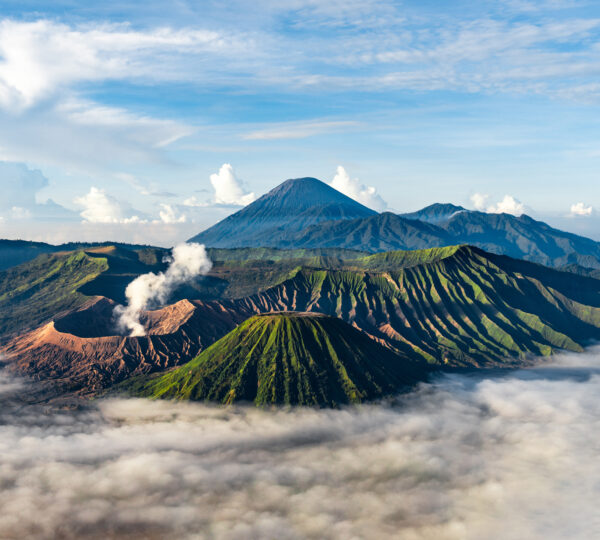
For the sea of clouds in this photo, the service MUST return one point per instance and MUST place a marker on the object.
(505, 456)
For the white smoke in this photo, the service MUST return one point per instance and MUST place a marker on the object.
(467, 457)
(187, 262)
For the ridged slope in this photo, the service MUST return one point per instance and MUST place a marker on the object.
(307, 213)
(455, 306)
(522, 237)
(288, 358)
(466, 308)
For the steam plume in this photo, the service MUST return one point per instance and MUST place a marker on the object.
(187, 262)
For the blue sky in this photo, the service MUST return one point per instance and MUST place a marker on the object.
(120, 113)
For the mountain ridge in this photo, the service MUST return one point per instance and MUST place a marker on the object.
(453, 307)
(436, 225)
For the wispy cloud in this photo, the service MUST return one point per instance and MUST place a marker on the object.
(43, 58)
(298, 130)
(82, 137)
(148, 131)
(40, 58)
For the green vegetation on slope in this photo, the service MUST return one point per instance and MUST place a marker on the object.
(457, 306)
(287, 358)
(466, 308)
(245, 271)
(34, 292)
(396, 260)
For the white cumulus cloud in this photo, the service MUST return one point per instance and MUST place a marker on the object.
(18, 212)
(194, 202)
(479, 201)
(352, 187)
(100, 207)
(508, 205)
(580, 209)
(228, 188)
(168, 214)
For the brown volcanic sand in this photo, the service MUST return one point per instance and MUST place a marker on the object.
(81, 350)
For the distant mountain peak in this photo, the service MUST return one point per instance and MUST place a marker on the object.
(436, 213)
(302, 193)
(294, 204)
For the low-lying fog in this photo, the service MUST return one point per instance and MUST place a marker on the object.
(504, 457)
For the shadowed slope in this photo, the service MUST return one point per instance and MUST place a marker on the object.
(522, 237)
(307, 213)
(288, 358)
(381, 232)
(34, 292)
(15, 252)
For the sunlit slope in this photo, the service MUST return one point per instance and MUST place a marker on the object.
(288, 358)
(34, 292)
(463, 307)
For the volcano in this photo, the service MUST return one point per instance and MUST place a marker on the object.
(82, 352)
(288, 358)
(293, 205)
